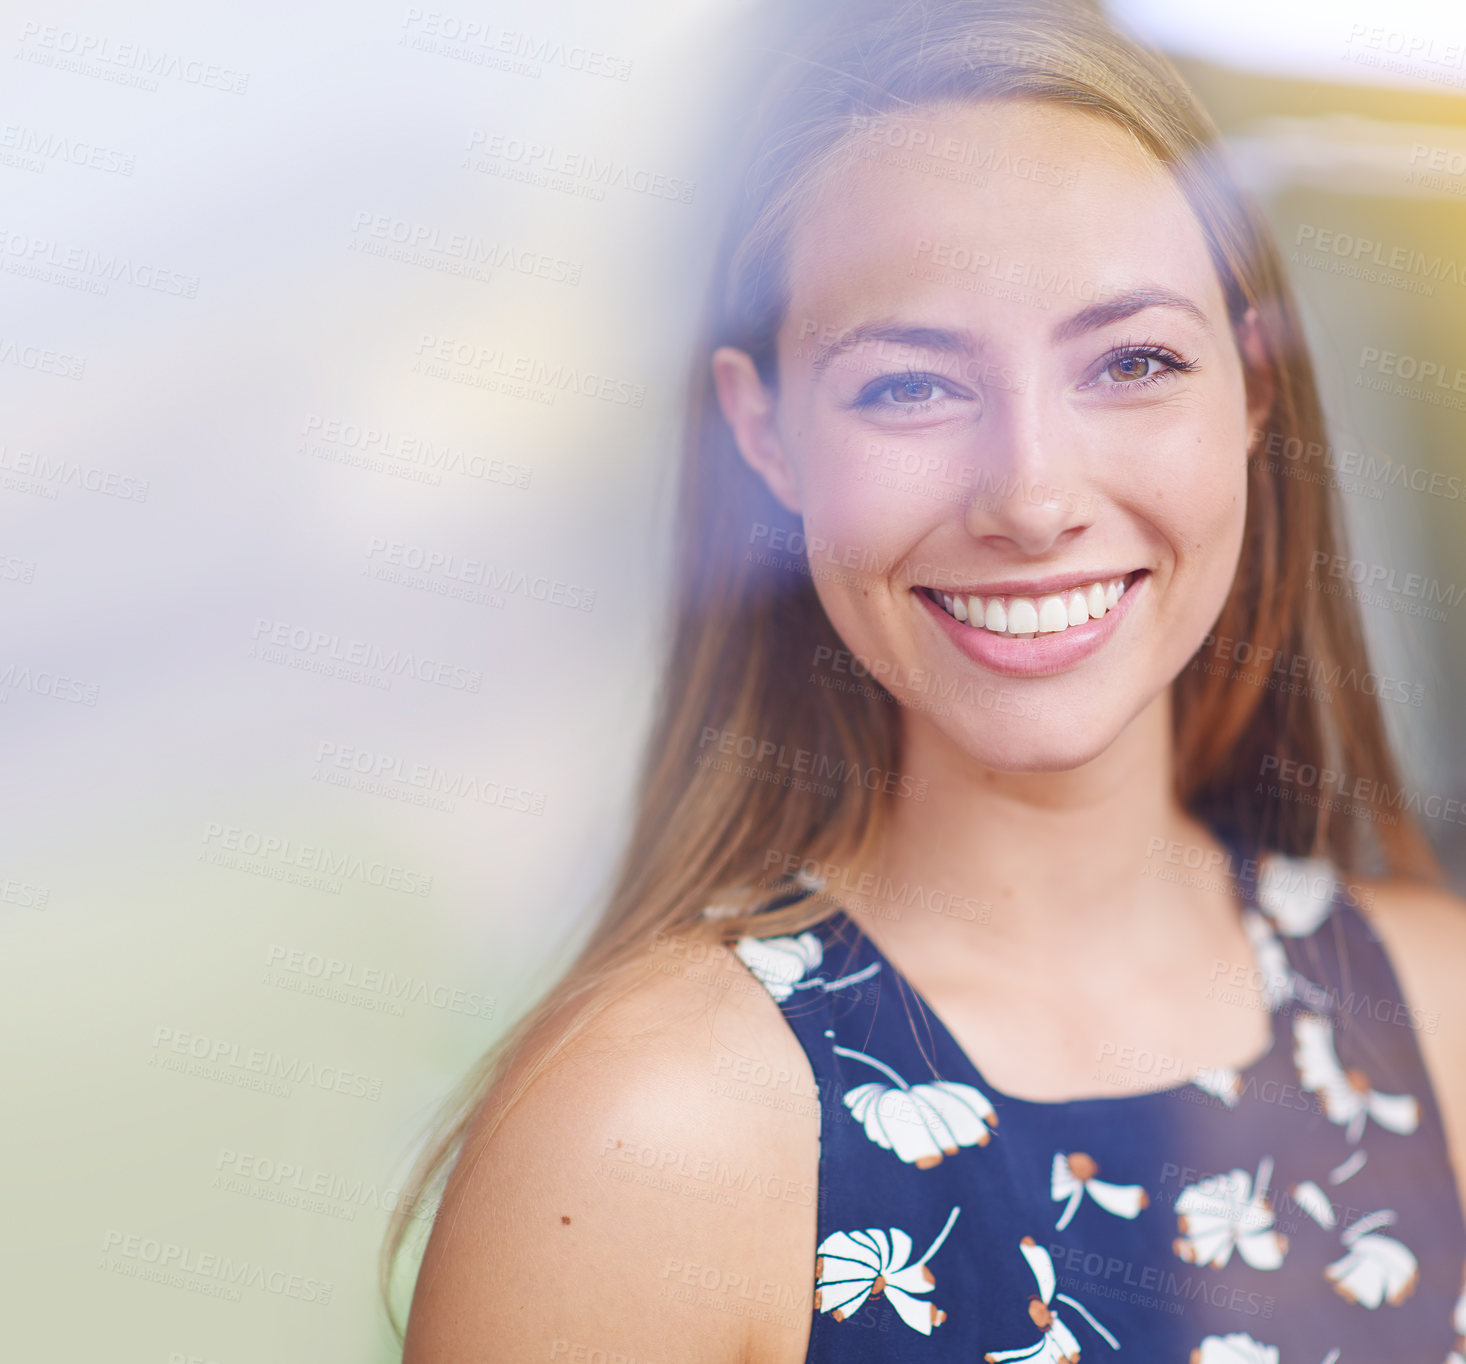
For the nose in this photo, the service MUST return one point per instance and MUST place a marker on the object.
(1029, 494)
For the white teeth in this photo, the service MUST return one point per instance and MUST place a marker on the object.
(1053, 615)
(1026, 617)
(1022, 616)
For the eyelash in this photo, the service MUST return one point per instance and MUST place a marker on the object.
(871, 395)
(1139, 350)
(1142, 350)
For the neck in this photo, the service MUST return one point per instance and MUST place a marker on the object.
(1039, 853)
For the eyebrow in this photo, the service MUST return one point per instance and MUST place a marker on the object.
(1124, 305)
(960, 342)
(938, 339)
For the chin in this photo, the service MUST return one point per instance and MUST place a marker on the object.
(1027, 755)
(1030, 738)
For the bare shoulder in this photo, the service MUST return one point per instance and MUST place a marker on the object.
(651, 1196)
(1424, 931)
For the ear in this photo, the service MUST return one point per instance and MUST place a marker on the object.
(749, 409)
(1252, 344)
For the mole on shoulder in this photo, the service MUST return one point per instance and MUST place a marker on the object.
(564, 1221)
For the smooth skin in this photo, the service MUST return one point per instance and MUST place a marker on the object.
(1047, 437)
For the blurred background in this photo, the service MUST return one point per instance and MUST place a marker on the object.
(332, 612)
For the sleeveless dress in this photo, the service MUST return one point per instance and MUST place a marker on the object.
(1302, 1210)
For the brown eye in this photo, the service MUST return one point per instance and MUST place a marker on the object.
(1129, 367)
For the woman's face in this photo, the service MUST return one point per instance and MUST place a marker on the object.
(1008, 392)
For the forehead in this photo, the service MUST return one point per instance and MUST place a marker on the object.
(933, 207)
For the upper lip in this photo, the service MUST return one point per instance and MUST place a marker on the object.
(1032, 587)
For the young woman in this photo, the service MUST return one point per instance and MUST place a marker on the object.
(991, 975)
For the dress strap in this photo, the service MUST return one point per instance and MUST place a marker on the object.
(1340, 971)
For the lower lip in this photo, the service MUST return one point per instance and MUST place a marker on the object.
(1043, 655)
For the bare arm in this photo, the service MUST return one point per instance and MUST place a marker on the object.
(641, 1199)
(1424, 931)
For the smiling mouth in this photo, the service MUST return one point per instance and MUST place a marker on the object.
(1027, 617)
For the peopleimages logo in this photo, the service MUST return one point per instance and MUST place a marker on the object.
(525, 158)
(21, 677)
(100, 267)
(445, 572)
(1402, 260)
(42, 359)
(278, 641)
(377, 768)
(462, 248)
(1409, 590)
(486, 44)
(339, 440)
(767, 760)
(280, 1181)
(220, 1058)
(487, 366)
(124, 63)
(55, 471)
(235, 845)
(315, 973)
(868, 887)
(221, 1275)
(42, 146)
(1380, 797)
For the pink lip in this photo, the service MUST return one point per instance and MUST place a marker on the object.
(1043, 655)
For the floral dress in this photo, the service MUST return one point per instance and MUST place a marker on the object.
(1302, 1210)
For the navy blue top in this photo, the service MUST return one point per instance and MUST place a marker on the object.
(1300, 1211)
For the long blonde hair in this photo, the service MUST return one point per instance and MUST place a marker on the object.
(748, 621)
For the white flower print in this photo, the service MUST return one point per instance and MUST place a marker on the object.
(1377, 1268)
(1225, 1212)
(853, 1266)
(1240, 1348)
(1074, 1175)
(804, 879)
(1272, 959)
(1346, 1095)
(721, 910)
(1237, 1348)
(920, 1123)
(1057, 1344)
(1223, 1082)
(1458, 1320)
(1296, 892)
(1316, 1203)
(780, 964)
(1349, 1167)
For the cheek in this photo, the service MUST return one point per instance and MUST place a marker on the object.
(863, 505)
(1214, 494)
(860, 534)
(1193, 494)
